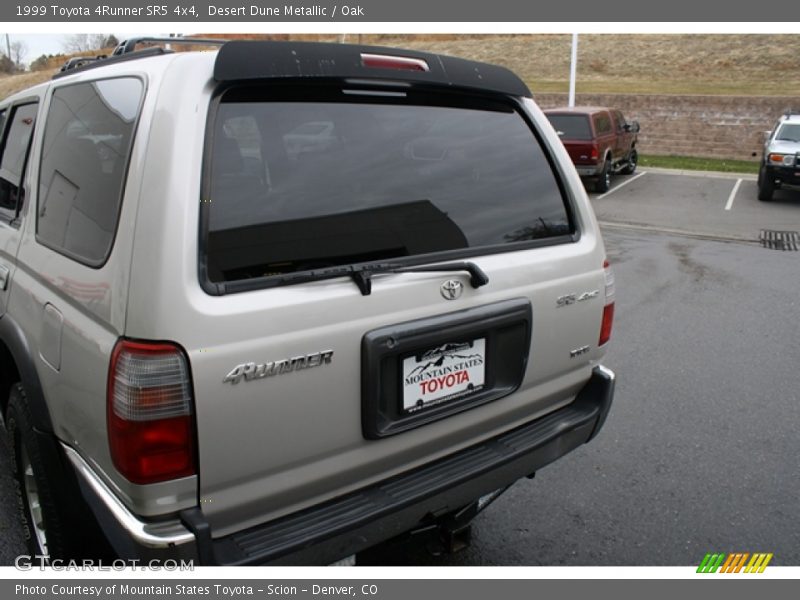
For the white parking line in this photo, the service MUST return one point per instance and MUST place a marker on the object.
(621, 185)
(729, 205)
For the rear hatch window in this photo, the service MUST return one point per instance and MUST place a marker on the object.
(310, 179)
(571, 127)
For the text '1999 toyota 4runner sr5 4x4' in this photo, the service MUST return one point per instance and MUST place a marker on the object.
(279, 302)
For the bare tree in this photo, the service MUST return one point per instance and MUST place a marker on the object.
(19, 50)
(6, 64)
(83, 42)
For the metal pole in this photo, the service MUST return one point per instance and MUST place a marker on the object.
(8, 46)
(572, 69)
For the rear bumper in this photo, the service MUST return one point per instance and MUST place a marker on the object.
(587, 170)
(346, 525)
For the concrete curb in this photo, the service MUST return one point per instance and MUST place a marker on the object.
(691, 173)
(715, 237)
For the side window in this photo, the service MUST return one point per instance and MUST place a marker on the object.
(620, 121)
(16, 144)
(602, 124)
(88, 138)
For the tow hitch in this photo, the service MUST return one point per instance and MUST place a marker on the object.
(450, 532)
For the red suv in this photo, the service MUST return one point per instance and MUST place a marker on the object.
(599, 140)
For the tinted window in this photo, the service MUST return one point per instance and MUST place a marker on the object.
(87, 142)
(15, 156)
(298, 185)
(571, 127)
(789, 132)
(602, 124)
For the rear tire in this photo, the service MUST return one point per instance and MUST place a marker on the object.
(56, 522)
(630, 165)
(603, 182)
(766, 186)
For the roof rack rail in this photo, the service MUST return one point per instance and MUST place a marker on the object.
(127, 51)
(80, 61)
(130, 45)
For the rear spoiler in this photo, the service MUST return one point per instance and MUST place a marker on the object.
(250, 60)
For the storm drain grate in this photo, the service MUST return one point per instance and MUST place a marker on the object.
(779, 240)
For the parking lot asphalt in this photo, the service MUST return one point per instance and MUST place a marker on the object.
(724, 206)
(700, 451)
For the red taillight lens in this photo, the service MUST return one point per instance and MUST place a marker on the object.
(385, 61)
(608, 321)
(595, 153)
(608, 310)
(150, 426)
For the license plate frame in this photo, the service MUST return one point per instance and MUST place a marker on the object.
(506, 328)
(441, 374)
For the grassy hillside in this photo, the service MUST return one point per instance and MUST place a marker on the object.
(647, 64)
(650, 64)
(13, 83)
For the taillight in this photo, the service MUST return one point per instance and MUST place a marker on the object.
(385, 61)
(608, 310)
(149, 412)
(595, 152)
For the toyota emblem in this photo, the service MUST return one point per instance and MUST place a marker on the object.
(451, 289)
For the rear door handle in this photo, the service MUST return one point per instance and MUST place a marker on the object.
(4, 273)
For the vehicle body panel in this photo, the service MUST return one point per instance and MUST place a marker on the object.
(93, 305)
(264, 474)
(272, 446)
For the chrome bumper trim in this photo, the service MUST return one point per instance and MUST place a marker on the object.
(162, 534)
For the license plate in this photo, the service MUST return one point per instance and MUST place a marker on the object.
(443, 374)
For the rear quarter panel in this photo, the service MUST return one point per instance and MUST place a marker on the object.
(93, 304)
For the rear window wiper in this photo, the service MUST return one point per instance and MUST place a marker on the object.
(362, 274)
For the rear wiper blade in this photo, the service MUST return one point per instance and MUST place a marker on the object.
(362, 274)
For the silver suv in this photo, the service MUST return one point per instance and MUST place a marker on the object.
(780, 160)
(279, 302)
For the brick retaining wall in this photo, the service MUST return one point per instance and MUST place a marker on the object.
(713, 126)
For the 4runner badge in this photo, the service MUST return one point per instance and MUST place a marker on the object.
(252, 370)
(451, 289)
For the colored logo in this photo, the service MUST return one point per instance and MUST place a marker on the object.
(735, 563)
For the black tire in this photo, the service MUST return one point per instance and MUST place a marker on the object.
(56, 522)
(765, 186)
(632, 162)
(603, 182)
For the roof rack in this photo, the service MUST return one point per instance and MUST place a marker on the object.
(127, 51)
(130, 45)
(79, 61)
